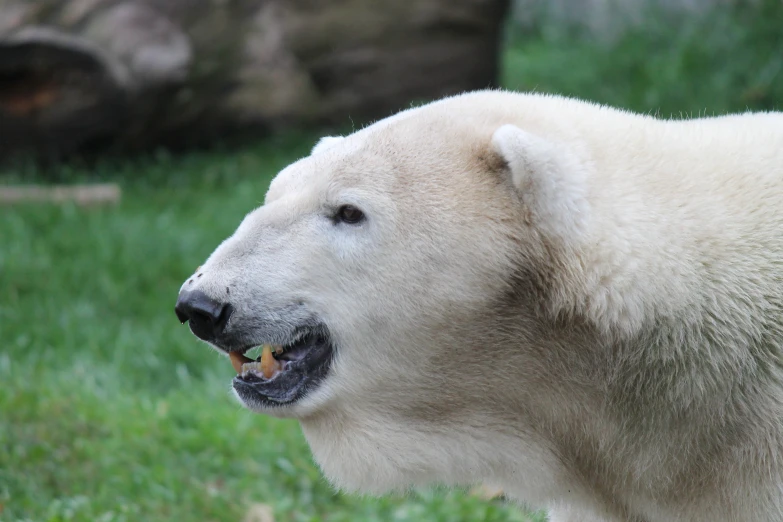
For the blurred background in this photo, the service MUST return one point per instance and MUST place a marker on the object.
(135, 135)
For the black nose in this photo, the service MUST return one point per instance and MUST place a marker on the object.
(207, 317)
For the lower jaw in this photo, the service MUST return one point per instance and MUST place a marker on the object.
(255, 400)
(285, 389)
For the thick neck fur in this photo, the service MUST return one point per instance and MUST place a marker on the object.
(565, 421)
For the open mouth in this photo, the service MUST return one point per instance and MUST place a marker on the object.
(282, 374)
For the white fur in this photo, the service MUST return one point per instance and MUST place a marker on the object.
(551, 181)
(580, 304)
(325, 143)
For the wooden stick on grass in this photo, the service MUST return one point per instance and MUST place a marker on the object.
(82, 195)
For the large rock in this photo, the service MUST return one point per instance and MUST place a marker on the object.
(78, 74)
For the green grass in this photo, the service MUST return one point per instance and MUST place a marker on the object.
(112, 411)
(674, 66)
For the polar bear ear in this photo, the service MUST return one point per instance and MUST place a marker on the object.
(325, 143)
(551, 181)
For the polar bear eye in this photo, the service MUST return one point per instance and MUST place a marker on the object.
(349, 214)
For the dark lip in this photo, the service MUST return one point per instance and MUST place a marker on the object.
(300, 376)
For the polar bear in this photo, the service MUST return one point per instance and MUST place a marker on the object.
(581, 305)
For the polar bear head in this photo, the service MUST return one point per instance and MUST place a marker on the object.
(402, 272)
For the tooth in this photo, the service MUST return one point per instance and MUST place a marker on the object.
(251, 366)
(237, 360)
(269, 365)
(278, 349)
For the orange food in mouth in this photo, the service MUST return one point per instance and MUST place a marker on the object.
(268, 366)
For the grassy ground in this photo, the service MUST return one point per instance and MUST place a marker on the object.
(111, 411)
